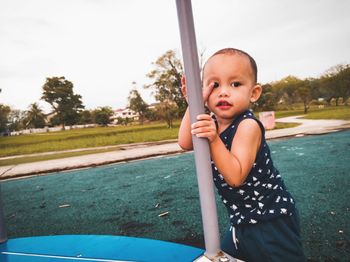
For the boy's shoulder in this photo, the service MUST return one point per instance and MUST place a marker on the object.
(248, 126)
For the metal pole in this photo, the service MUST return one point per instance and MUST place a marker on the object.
(201, 146)
(3, 234)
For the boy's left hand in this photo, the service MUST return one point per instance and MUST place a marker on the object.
(205, 127)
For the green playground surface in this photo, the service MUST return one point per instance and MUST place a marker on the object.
(158, 198)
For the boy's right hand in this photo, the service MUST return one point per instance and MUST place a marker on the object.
(205, 127)
(206, 90)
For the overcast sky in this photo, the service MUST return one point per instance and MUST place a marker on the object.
(102, 46)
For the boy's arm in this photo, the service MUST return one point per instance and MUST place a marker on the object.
(185, 136)
(236, 164)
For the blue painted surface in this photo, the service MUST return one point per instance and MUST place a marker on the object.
(94, 248)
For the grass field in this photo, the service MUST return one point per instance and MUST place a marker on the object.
(106, 136)
(332, 112)
(85, 138)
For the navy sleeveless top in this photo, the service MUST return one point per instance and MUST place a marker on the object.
(263, 196)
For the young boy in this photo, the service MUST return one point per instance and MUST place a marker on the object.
(264, 223)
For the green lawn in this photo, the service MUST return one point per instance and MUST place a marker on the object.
(340, 112)
(85, 138)
(280, 125)
(332, 112)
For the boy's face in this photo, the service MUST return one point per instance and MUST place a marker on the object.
(234, 87)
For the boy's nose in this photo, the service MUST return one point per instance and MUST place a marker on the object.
(223, 91)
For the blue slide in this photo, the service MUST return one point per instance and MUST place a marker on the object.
(94, 248)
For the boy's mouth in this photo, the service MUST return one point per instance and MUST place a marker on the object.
(223, 104)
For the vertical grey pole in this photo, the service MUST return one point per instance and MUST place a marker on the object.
(201, 146)
(3, 234)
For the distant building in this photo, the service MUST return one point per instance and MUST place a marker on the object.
(124, 113)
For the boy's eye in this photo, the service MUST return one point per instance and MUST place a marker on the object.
(216, 85)
(235, 84)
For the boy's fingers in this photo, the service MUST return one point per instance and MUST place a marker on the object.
(203, 117)
(211, 86)
(201, 130)
(184, 90)
(207, 91)
(183, 80)
(183, 86)
(201, 124)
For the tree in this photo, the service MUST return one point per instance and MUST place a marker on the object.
(326, 88)
(304, 93)
(167, 110)
(86, 117)
(167, 82)
(336, 82)
(4, 114)
(34, 117)
(124, 121)
(16, 120)
(152, 114)
(344, 83)
(285, 89)
(137, 104)
(102, 115)
(267, 100)
(58, 92)
(54, 121)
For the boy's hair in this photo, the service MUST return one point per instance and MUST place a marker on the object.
(233, 51)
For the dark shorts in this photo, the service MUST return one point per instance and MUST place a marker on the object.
(275, 240)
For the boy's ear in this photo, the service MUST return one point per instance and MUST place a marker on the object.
(256, 92)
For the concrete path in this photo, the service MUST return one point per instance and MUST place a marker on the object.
(146, 150)
(307, 127)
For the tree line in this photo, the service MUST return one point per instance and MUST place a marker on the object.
(334, 84)
(68, 109)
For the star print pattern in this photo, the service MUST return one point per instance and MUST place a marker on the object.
(263, 195)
